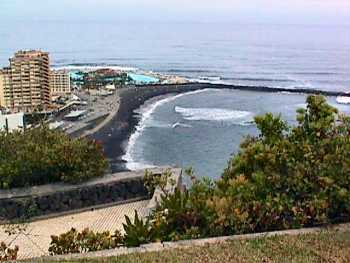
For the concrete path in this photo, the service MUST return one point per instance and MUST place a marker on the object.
(113, 110)
(35, 240)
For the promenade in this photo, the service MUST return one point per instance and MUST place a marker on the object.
(34, 240)
(101, 109)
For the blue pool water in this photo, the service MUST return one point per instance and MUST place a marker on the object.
(74, 75)
(142, 79)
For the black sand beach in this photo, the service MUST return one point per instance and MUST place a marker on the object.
(114, 135)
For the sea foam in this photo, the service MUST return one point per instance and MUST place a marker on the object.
(145, 114)
(88, 68)
(216, 114)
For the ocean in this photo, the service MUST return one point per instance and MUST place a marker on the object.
(270, 55)
(200, 129)
(203, 129)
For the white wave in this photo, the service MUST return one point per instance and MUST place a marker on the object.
(88, 68)
(215, 114)
(157, 124)
(208, 81)
(133, 166)
(296, 82)
(179, 124)
(301, 105)
(210, 78)
(343, 99)
(286, 92)
(146, 118)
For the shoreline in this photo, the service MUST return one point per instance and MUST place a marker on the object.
(115, 133)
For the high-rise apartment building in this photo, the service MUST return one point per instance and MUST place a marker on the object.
(5, 87)
(26, 82)
(2, 88)
(60, 83)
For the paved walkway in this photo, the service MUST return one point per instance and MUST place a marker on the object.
(102, 106)
(35, 240)
(112, 110)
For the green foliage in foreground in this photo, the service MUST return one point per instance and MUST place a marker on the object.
(287, 177)
(325, 247)
(84, 241)
(40, 155)
(137, 232)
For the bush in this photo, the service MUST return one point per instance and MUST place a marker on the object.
(137, 232)
(85, 241)
(287, 177)
(7, 253)
(179, 215)
(40, 155)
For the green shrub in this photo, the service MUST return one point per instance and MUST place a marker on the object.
(40, 155)
(287, 177)
(179, 215)
(137, 232)
(161, 181)
(7, 253)
(85, 241)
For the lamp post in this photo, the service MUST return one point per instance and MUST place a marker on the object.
(6, 125)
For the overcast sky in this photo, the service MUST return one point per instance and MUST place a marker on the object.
(268, 11)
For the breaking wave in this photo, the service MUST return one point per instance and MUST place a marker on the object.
(216, 114)
(179, 124)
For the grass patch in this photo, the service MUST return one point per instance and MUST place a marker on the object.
(328, 246)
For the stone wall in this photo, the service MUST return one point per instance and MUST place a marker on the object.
(60, 198)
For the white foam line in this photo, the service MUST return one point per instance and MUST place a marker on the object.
(92, 68)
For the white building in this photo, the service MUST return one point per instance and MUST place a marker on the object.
(110, 87)
(12, 121)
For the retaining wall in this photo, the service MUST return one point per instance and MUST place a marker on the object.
(59, 198)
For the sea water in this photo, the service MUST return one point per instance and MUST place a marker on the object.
(269, 55)
(204, 129)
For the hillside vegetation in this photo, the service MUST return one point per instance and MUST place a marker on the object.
(40, 156)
